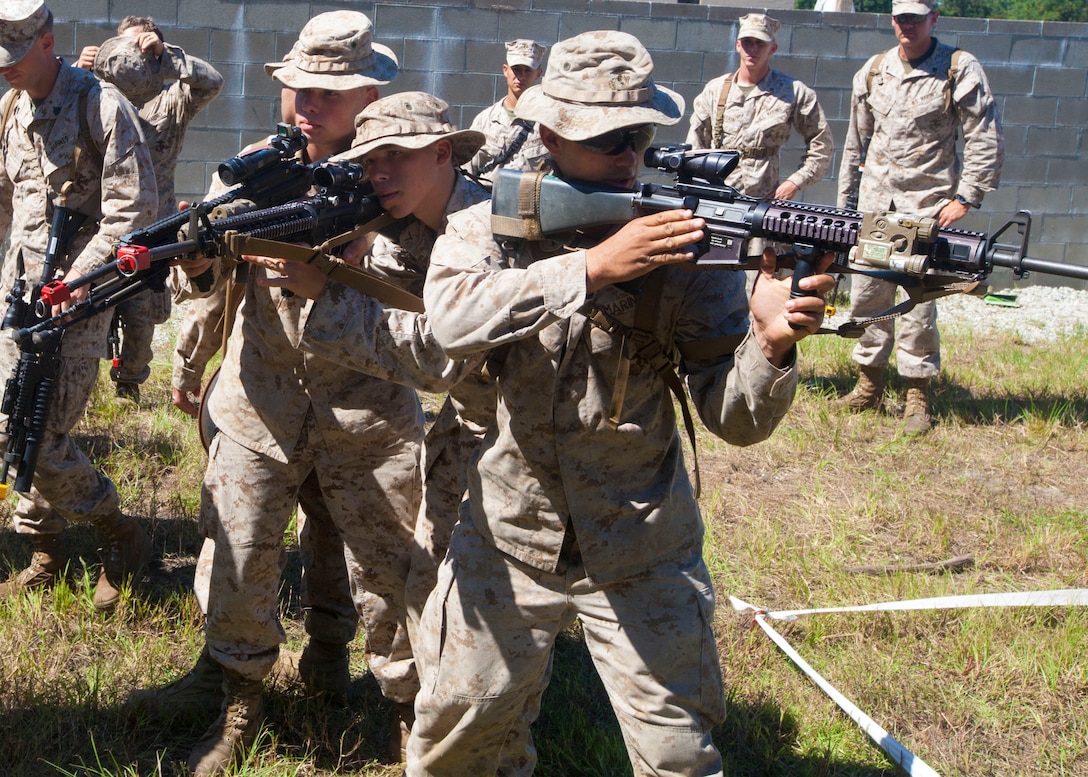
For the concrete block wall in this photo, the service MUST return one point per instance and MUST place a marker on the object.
(453, 48)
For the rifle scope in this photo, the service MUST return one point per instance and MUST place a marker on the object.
(338, 175)
(288, 142)
(710, 166)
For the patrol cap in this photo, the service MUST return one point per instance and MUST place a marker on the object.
(597, 82)
(136, 73)
(336, 50)
(759, 26)
(920, 7)
(524, 52)
(410, 120)
(20, 23)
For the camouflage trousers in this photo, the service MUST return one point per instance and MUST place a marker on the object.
(66, 487)
(328, 610)
(487, 636)
(918, 348)
(372, 498)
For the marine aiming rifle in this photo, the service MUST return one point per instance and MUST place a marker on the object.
(924, 259)
(343, 202)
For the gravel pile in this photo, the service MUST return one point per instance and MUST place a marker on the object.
(1044, 313)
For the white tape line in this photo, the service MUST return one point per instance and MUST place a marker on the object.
(1069, 596)
(889, 744)
(910, 763)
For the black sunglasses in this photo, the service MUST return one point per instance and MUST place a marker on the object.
(910, 18)
(617, 141)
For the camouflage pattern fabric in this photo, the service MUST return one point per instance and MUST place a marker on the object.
(496, 123)
(912, 165)
(114, 184)
(763, 119)
(551, 469)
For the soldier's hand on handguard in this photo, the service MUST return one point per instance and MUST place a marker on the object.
(641, 245)
(302, 279)
(779, 322)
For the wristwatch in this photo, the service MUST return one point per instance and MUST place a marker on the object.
(964, 201)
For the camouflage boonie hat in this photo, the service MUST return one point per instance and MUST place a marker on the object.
(136, 73)
(272, 67)
(410, 120)
(524, 52)
(20, 23)
(597, 82)
(920, 7)
(758, 26)
(336, 50)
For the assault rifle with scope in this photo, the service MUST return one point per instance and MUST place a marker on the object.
(343, 203)
(915, 253)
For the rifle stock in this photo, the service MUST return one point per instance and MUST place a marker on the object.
(927, 261)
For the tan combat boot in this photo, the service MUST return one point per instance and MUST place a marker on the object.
(230, 737)
(46, 565)
(868, 394)
(916, 415)
(127, 551)
(198, 692)
(324, 670)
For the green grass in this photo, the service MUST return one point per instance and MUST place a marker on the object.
(973, 692)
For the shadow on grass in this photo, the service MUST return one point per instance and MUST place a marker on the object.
(577, 733)
(120, 740)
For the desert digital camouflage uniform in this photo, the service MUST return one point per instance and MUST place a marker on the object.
(904, 130)
(113, 183)
(497, 125)
(758, 124)
(453, 439)
(178, 90)
(559, 502)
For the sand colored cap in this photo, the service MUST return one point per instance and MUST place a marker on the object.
(336, 50)
(136, 73)
(20, 23)
(920, 7)
(272, 67)
(597, 82)
(759, 26)
(410, 120)
(524, 52)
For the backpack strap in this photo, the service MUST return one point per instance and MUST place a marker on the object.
(719, 113)
(953, 74)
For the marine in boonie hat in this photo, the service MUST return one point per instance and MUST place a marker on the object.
(20, 23)
(759, 26)
(595, 70)
(410, 120)
(920, 7)
(136, 73)
(336, 50)
(524, 52)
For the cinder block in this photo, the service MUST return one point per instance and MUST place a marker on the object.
(676, 67)
(541, 27)
(249, 47)
(441, 55)
(1053, 141)
(1072, 112)
(468, 24)
(1064, 82)
(405, 21)
(1009, 79)
(1036, 51)
(575, 24)
(655, 34)
(986, 47)
(1023, 109)
(829, 43)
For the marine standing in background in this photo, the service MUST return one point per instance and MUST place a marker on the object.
(67, 140)
(509, 141)
(168, 88)
(754, 110)
(908, 106)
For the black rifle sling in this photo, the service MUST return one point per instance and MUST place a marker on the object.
(524, 128)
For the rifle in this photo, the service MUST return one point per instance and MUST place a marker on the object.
(924, 259)
(29, 390)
